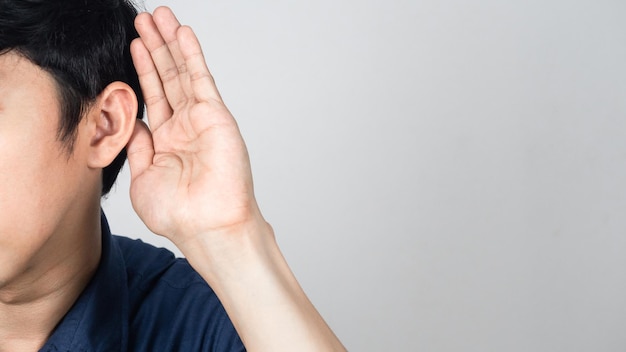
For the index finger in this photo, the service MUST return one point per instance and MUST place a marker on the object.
(162, 57)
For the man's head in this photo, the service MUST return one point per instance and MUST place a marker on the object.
(68, 106)
(84, 46)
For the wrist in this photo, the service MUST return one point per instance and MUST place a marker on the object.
(246, 269)
(231, 250)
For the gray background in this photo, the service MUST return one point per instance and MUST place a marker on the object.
(441, 175)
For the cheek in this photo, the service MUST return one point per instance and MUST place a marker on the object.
(21, 185)
(23, 220)
(29, 184)
(34, 199)
(39, 180)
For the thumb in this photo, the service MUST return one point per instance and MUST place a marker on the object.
(140, 149)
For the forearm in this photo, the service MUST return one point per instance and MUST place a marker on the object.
(259, 292)
(191, 181)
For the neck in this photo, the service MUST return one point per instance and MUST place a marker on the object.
(34, 303)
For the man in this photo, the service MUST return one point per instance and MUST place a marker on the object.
(69, 99)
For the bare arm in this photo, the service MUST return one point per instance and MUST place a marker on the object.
(191, 182)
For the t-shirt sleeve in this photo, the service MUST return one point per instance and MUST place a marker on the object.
(172, 308)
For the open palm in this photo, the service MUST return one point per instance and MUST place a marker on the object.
(191, 175)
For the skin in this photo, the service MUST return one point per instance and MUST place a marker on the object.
(190, 182)
(49, 228)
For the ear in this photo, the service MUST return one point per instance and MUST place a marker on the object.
(112, 120)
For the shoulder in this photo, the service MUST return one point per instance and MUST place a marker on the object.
(170, 304)
(147, 265)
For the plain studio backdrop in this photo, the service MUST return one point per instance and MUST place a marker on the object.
(442, 175)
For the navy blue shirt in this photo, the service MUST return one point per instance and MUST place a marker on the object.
(142, 298)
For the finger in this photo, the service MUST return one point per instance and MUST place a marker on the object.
(167, 24)
(162, 58)
(202, 81)
(158, 107)
(140, 150)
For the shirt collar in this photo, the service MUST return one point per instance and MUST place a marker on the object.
(98, 320)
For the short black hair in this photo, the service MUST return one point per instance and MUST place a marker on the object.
(84, 45)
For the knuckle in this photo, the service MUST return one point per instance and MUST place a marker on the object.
(169, 74)
(154, 99)
(200, 75)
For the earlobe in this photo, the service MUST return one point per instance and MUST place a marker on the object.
(112, 121)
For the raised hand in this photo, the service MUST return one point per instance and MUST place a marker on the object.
(191, 175)
(191, 182)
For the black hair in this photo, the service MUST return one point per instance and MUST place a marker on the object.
(84, 45)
